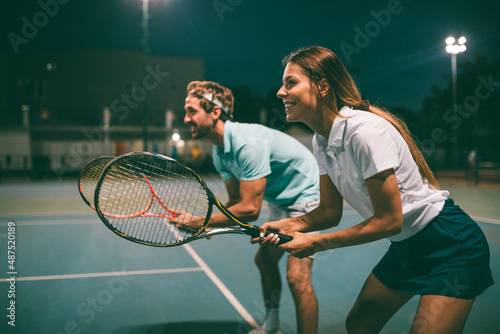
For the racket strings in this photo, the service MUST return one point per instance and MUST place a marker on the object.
(123, 198)
(158, 208)
(121, 206)
(166, 195)
(181, 187)
(142, 231)
(173, 189)
(129, 194)
(89, 177)
(140, 197)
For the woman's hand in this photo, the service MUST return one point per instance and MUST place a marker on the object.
(302, 245)
(284, 226)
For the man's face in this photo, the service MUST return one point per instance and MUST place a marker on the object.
(200, 122)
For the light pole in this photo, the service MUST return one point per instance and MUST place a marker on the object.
(454, 47)
(145, 44)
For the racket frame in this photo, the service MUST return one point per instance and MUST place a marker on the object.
(204, 231)
(83, 172)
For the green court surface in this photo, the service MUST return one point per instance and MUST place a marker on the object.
(73, 275)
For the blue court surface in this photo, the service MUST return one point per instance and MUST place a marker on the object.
(69, 274)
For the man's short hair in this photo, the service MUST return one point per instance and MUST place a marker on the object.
(212, 94)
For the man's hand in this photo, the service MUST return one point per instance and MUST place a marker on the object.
(188, 222)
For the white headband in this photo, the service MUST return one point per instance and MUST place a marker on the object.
(210, 97)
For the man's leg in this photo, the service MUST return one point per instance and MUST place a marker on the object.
(267, 260)
(306, 305)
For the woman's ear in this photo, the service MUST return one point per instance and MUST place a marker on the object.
(323, 87)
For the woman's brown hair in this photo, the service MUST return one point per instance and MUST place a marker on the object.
(321, 63)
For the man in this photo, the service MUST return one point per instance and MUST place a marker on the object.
(258, 163)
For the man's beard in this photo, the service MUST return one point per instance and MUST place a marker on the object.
(200, 132)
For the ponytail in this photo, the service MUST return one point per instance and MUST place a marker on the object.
(402, 128)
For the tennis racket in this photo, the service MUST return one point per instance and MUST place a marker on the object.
(87, 183)
(141, 196)
(89, 176)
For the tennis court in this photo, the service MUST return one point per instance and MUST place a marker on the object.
(73, 275)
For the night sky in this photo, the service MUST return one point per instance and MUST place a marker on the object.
(394, 49)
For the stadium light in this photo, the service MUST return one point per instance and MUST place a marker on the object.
(454, 46)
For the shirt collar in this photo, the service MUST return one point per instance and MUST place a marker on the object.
(226, 136)
(336, 137)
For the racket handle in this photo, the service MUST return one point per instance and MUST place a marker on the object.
(284, 238)
(255, 232)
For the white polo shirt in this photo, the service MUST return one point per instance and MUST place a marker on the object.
(362, 144)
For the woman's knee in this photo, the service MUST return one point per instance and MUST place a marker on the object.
(353, 321)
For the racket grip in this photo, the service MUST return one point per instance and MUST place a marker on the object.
(255, 232)
(284, 238)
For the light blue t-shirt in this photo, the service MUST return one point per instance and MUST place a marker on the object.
(253, 151)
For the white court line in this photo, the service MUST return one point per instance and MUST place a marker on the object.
(9, 215)
(225, 291)
(218, 283)
(486, 220)
(203, 267)
(50, 223)
(106, 274)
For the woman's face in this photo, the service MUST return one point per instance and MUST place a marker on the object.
(299, 94)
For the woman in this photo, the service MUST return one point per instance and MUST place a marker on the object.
(367, 157)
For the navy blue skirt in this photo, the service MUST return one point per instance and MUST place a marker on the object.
(449, 257)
